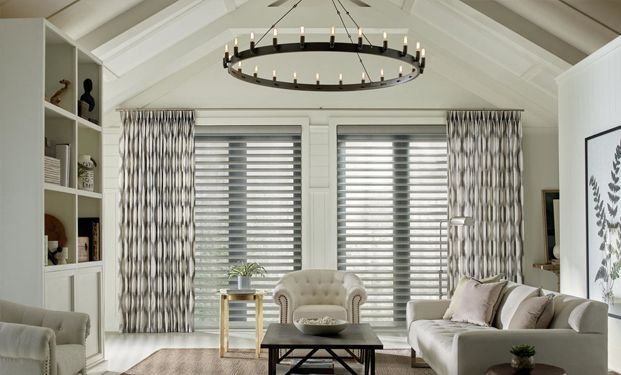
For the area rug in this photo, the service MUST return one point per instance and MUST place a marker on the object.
(242, 362)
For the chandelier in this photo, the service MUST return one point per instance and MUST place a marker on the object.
(411, 65)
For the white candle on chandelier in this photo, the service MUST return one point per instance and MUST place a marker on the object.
(405, 40)
(302, 30)
(275, 32)
(256, 71)
(226, 48)
(274, 74)
(360, 32)
(332, 33)
(382, 74)
(400, 70)
(422, 53)
(239, 69)
(295, 75)
(236, 42)
(252, 37)
(418, 46)
(340, 76)
(385, 36)
(317, 76)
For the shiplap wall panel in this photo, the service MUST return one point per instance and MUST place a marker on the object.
(589, 103)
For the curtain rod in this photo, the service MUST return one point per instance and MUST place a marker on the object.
(320, 109)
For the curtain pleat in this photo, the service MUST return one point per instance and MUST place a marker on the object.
(157, 221)
(485, 181)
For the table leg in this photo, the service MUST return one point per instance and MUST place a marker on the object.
(259, 316)
(365, 355)
(372, 360)
(227, 309)
(272, 357)
(223, 324)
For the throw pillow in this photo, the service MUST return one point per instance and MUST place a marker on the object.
(448, 314)
(533, 312)
(478, 302)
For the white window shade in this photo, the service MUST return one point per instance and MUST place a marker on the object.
(248, 209)
(391, 198)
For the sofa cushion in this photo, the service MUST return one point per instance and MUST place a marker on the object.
(478, 302)
(70, 359)
(531, 313)
(433, 339)
(448, 314)
(319, 311)
(512, 297)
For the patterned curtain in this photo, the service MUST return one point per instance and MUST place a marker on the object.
(485, 182)
(157, 221)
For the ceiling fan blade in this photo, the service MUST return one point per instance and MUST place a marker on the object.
(277, 3)
(360, 3)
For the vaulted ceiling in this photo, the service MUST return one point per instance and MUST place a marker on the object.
(505, 52)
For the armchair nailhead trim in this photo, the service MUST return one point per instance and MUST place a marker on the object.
(355, 309)
(284, 308)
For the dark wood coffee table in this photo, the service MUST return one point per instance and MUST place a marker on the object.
(540, 369)
(354, 337)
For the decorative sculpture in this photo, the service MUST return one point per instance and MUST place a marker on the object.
(57, 97)
(87, 97)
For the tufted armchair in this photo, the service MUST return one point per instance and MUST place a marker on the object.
(36, 341)
(317, 293)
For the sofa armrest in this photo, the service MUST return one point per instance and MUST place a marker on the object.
(474, 351)
(70, 327)
(426, 309)
(21, 341)
(284, 298)
(356, 297)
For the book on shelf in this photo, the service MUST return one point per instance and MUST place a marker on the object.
(89, 227)
(51, 170)
(83, 249)
(63, 153)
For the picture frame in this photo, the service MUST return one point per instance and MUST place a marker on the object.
(603, 218)
(551, 228)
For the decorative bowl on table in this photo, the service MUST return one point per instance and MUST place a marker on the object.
(325, 326)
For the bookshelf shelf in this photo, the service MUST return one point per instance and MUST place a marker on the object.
(89, 194)
(84, 123)
(58, 188)
(55, 111)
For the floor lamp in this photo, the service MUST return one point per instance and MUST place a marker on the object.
(455, 221)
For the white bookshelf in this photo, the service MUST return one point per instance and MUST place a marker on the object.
(41, 55)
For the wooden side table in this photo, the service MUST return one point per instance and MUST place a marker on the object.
(540, 369)
(225, 299)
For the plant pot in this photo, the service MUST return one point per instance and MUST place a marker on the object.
(243, 282)
(523, 363)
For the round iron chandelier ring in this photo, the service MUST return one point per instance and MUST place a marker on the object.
(233, 65)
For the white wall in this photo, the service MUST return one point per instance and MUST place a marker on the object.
(319, 243)
(589, 102)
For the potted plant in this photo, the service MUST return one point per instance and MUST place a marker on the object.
(244, 271)
(523, 357)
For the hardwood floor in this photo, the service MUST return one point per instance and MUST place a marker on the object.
(125, 350)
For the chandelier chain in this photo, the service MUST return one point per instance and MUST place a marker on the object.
(354, 21)
(276, 23)
(338, 12)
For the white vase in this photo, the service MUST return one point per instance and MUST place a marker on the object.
(243, 282)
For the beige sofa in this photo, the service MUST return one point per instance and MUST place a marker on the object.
(36, 341)
(577, 339)
(317, 293)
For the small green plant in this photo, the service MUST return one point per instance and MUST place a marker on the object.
(246, 269)
(523, 350)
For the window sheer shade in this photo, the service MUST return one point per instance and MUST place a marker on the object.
(391, 198)
(248, 209)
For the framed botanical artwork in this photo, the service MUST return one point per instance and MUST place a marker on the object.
(603, 214)
(551, 228)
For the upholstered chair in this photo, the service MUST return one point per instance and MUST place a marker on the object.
(318, 293)
(36, 341)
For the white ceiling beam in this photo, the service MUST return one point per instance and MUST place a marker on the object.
(123, 23)
(564, 22)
